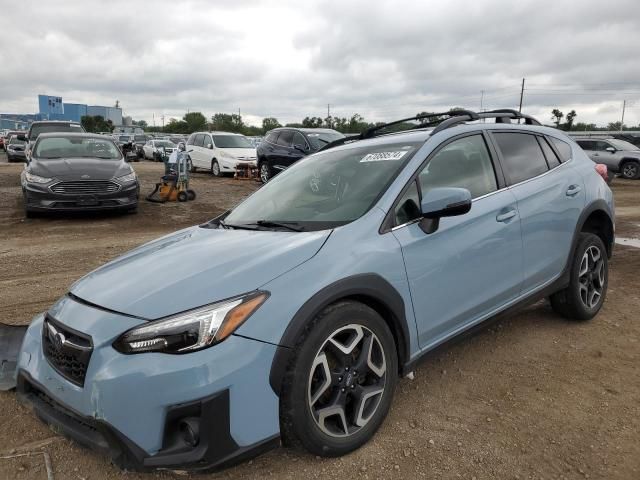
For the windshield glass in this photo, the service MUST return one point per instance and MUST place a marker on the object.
(76, 147)
(16, 141)
(53, 128)
(320, 139)
(165, 144)
(326, 190)
(140, 138)
(231, 141)
(623, 145)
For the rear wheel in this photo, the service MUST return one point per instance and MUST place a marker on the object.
(191, 194)
(630, 170)
(587, 289)
(340, 384)
(183, 196)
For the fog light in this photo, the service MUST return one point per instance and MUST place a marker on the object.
(190, 431)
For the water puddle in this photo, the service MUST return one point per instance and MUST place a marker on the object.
(629, 242)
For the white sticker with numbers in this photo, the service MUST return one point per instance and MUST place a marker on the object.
(383, 156)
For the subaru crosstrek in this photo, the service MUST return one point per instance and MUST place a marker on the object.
(291, 317)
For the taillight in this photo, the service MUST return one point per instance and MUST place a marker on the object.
(603, 171)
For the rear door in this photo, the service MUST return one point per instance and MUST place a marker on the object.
(198, 157)
(611, 158)
(550, 198)
(282, 153)
(472, 265)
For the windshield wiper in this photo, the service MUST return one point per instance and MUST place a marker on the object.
(270, 224)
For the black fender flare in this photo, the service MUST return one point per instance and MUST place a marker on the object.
(370, 289)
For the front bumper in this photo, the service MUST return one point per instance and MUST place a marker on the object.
(40, 198)
(130, 405)
(16, 155)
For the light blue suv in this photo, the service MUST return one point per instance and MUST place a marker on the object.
(291, 317)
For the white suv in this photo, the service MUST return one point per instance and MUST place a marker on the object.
(220, 152)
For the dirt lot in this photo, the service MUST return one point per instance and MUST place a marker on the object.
(531, 397)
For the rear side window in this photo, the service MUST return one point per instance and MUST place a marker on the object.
(272, 137)
(521, 155)
(552, 159)
(285, 138)
(586, 144)
(564, 149)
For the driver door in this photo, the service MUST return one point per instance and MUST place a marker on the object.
(472, 264)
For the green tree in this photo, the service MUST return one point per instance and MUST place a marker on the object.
(195, 121)
(269, 123)
(556, 116)
(140, 123)
(227, 122)
(96, 123)
(616, 126)
(568, 125)
(312, 122)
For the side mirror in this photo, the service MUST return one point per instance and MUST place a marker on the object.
(209, 146)
(443, 202)
(611, 150)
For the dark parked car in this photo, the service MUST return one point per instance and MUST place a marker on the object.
(49, 126)
(78, 171)
(282, 147)
(15, 148)
(138, 142)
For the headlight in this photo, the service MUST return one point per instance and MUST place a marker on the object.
(31, 178)
(129, 177)
(193, 330)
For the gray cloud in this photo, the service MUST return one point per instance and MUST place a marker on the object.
(285, 59)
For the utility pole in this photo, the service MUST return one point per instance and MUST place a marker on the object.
(162, 121)
(521, 95)
(624, 104)
(481, 99)
(154, 120)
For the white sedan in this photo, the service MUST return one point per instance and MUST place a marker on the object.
(152, 148)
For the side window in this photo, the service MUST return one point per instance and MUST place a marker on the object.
(199, 141)
(522, 156)
(298, 139)
(408, 208)
(285, 138)
(602, 146)
(206, 140)
(463, 163)
(272, 137)
(552, 159)
(585, 144)
(191, 139)
(564, 149)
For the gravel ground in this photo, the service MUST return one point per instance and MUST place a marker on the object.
(532, 396)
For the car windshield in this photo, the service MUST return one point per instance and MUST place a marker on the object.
(165, 144)
(327, 189)
(124, 138)
(36, 129)
(320, 139)
(623, 145)
(76, 147)
(232, 141)
(16, 141)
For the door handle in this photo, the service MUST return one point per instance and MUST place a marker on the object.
(573, 190)
(503, 217)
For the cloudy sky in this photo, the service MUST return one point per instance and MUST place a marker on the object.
(382, 59)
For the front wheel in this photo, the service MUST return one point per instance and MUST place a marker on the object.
(338, 389)
(587, 289)
(215, 169)
(630, 170)
(265, 172)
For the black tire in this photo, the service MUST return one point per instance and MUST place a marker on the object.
(191, 194)
(215, 169)
(183, 196)
(264, 171)
(299, 425)
(30, 213)
(573, 302)
(630, 169)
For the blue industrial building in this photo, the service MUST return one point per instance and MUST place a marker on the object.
(53, 108)
(74, 111)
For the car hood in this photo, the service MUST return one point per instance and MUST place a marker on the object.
(195, 267)
(240, 152)
(70, 169)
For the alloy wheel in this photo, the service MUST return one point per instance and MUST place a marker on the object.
(264, 172)
(591, 277)
(630, 170)
(347, 381)
(215, 168)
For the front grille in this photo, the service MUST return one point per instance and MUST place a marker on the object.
(85, 187)
(66, 350)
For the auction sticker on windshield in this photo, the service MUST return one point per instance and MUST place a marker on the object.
(383, 156)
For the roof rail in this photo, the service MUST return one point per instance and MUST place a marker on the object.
(456, 117)
(503, 115)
